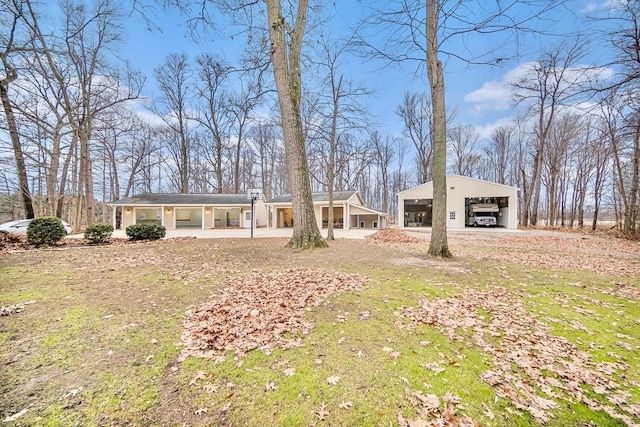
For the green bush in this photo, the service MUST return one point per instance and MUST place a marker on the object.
(99, 232)
(45, 231)
(145, 231)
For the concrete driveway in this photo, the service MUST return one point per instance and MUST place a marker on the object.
(246, 233)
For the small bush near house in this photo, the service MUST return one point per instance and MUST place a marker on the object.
(45, 231)
(145, 231)
(99, 232)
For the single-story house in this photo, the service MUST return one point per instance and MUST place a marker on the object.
(415, 205)
(349, 211)
(199, 211)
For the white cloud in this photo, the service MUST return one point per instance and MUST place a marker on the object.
(594, 6)
(485, 131)
(495, 95)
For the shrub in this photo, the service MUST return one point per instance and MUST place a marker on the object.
(45, 231)
(99, 232)
(145, 231)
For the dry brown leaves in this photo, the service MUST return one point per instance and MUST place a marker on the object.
(602, 255)
(392, 236)
(8, 310)
(430, 413)
(548, 367)
(259, 310)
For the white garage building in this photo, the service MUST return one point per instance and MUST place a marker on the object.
(415, 205)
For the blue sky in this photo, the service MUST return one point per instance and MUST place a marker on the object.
(480, 93)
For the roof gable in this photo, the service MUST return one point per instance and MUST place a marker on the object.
(456, 178)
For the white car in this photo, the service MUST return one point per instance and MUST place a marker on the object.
(19, 227)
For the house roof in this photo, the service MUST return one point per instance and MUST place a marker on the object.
(338, 196)
(175, 199)
(463, 178)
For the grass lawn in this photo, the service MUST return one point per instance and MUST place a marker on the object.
(514, 331)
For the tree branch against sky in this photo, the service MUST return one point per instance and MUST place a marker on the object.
(422, 32)
(286, 25)
(9, 75)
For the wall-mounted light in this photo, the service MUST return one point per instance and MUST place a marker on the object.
(453, 188)
(168, 210)
(128, 210)
(207, 210)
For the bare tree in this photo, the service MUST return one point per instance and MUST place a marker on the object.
(563, 134)
(549, 84)
(498, 151)
(626, 87)
(384, 154)
(339, 110)
(462, 143)
(96, 86)
(174, 81)
(268, 146)
(10, 75)
(415, 112)
(214, 113)
(421, 33)
(286, 47)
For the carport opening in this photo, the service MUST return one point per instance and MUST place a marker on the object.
(226, 218)
(188, 217)
(284, 217)
(338, 217)
(418, 212)
(480, 210)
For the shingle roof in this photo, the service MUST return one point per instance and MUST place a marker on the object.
(184, 199)
(338, 196)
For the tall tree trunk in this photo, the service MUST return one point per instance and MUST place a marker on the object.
(86, 172)
(286, 70)
(438, 246)
(21, 169)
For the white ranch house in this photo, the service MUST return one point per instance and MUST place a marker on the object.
(196, 211)
(211, 211)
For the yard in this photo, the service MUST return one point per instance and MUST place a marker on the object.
(518, 329)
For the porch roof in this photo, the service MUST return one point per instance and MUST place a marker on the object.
(177, 199)
(338, 196)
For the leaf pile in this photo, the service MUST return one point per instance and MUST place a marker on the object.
(262, 311)
(531, 367)
(428, 408)
(392, 236)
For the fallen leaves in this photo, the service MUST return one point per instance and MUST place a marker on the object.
(527, 359)
(8, 310)
(11, 309)
(15, 416)
(392, 236)
(262, 311)
(333, 380)
(270, 386)
(610, 256)
(345, 405)
(322, 413)
(432, 413)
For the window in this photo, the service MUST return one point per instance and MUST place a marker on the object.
(452, 215)
(248, 216)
